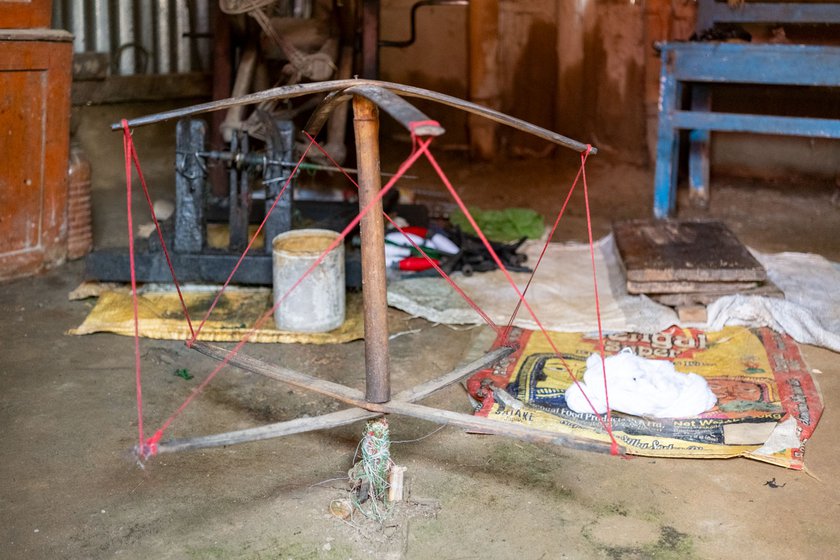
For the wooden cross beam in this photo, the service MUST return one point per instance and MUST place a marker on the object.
(333, 419)
(356, 398)
(367, 97)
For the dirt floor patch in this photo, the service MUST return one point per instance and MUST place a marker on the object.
(622, 532)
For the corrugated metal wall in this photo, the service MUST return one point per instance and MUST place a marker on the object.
(141, 36)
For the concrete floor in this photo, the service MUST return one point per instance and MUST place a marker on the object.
(67, 411)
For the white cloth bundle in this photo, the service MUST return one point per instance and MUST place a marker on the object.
(640, 387)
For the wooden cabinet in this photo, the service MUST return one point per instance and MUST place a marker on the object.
(25, 13)
(35, 75)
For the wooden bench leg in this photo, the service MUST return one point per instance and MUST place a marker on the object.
(698, 154)
(667, 146)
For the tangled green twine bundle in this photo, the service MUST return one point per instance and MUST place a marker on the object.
(370, 474)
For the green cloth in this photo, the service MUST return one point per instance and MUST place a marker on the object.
(510, 224)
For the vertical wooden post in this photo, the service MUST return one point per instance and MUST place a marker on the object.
(378, 376)
(699, 142)
(572, 87)
(668, 141)
(484, 75)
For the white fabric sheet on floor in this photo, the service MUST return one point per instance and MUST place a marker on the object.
(563, 299)
(562, 294)
(810, 311)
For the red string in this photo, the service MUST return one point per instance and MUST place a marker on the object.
(614, 446)
(545, 247)
(137, 369)
(136, 159)
(429, 259)
(414, 125)
(248, 248)
(480, 233)
(150, 445)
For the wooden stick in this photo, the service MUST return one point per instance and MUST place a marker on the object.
(333, 419)
(279, 429)
(356, 398)
(301, 380)
(374, 288)
(420, 392)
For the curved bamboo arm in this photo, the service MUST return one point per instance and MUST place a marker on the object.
(299, 90)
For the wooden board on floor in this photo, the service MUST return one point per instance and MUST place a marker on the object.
(683, 287)
(766, 289)
(687, 251)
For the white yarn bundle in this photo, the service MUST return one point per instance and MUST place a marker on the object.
(640, 387)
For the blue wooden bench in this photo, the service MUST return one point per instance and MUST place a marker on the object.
(698, 65)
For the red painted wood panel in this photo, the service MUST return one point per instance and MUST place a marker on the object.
(25, 13)
(34, 135)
